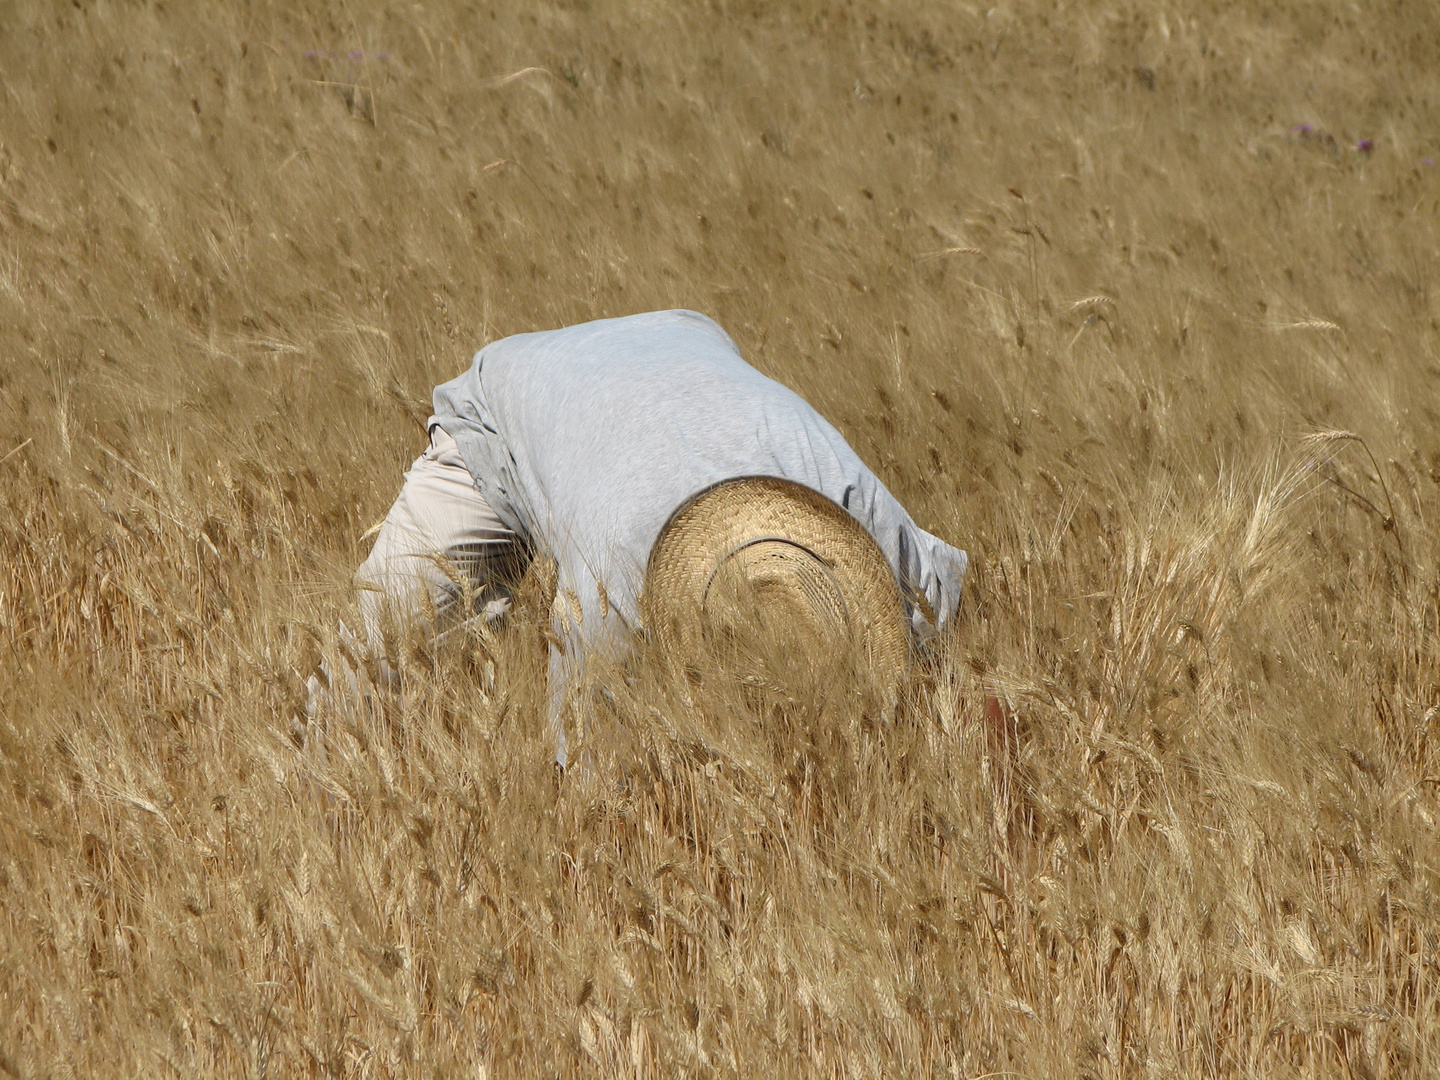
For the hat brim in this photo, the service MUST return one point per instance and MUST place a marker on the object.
(810, 556)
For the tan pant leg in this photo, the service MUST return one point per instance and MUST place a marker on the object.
(442, 555)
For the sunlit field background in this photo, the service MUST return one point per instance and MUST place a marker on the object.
(1135, 302)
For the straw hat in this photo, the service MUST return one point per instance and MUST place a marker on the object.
(757, 567)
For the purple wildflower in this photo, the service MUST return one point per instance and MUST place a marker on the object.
(1302, 129)
(357, 54)
(1428, 162)
(313, 54)
(1364, 145)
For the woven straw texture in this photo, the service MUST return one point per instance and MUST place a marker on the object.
(760, 563)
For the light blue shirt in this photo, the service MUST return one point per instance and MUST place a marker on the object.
(584, 440)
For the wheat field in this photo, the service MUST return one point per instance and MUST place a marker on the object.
(1135, 302)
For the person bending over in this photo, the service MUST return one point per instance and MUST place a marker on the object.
(681, 494)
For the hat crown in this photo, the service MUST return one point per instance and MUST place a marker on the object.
(773, 588)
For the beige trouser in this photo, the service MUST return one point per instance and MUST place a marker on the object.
(441, 554)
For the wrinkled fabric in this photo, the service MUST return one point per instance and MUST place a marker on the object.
(584, 440)
(439, 546)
